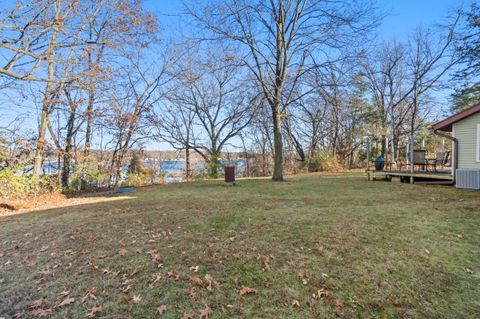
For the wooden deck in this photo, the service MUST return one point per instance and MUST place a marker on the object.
(443, 175)
(407, 176)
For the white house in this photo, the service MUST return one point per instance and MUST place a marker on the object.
(465, 135)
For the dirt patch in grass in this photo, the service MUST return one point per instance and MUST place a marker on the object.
(9, 206)
(314, 247)
(55, 200)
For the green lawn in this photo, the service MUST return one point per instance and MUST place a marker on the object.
(316, 246)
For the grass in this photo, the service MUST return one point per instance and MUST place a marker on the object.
(372, 249)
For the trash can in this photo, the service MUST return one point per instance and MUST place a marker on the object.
(229, 175)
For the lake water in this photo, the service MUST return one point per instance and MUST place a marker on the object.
(167, 168)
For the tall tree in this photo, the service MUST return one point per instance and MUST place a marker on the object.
(282, 41)
(212, 107)
(468, 50)
(132, 106)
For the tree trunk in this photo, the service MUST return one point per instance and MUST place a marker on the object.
(46, 99)
(213, 164)
(67, 156)
(383, 146)
(40, 145)
(187, 163)
(88, 133)
(278, 146)
(91, 101)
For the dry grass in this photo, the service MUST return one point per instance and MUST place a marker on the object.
(312, 247)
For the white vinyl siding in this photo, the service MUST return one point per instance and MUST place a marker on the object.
(478, 142)
(467, 131)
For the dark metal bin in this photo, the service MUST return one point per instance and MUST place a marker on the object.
(229, 175)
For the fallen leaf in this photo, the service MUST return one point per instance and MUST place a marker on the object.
(267, 283)
(194, 268)
(173, 274)
(320, 293)
(40, 313)
(197, 281)
(397, 302)
(468, 271)
(301, 274)
(246, 291)
(303, 277)
(205, 313)
(136, 299)
(155, 257)
(90, 294)
(122, 252)
(126, 289)
(64, 293)
(338, 304)
(296, 304)
(94, 311)
(36, 304)
(161, 309)
(135, 271)
(209, 280)
(194, 294)
(187, 315)
(66, 301)
(235, 280)
(155, 279)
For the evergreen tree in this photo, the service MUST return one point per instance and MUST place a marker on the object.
(469, 49)
(135, 166)
(465, 97)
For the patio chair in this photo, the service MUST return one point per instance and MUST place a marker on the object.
(442, 159)
(419, 158)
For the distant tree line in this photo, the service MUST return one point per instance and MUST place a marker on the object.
(288, 85)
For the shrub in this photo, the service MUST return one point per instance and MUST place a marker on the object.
(15, 183)
(88, 175)
(323, 161)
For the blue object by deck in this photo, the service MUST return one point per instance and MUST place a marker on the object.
(379, 163)
(125, 190)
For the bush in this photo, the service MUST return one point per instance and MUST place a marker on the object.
(14, 183)
(88, 175)
(323, 161)
(144, 176)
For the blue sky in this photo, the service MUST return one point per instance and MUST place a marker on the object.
(406, 15)
(403, 17)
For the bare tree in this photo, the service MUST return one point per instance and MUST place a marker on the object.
(430, 58)
(132, 105)
(283, 40)
(45, 37)
(211, 108)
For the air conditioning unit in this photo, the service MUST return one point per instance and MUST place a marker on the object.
(468, 178)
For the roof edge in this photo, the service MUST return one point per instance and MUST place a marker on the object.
(446, 124)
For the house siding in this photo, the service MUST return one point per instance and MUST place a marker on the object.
(466, 133)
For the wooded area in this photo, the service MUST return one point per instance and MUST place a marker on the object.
(286, 85)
